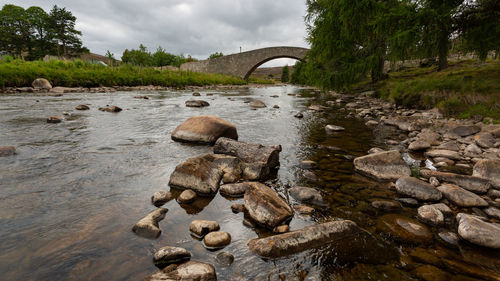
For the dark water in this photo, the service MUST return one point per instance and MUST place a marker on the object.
(69, 198)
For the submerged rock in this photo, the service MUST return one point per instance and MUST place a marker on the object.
(55, 119)
(265, 206)
(461, 197)
(334, 128)
(430, 215)
(148, 226)
(257, 104)
(203, 174)
(404, 229)
(204, 129)
(225, 258)
(201, 228)
(418, 189)
(344, 238)
(216, 240)
(82, 107)
(384, 166)
(259, 161)
(478, 232)
(196, 103)
(161, 197)
(449, 238)
(191, 270)
(388, 206)
(111, 108)
(7, 151)
(488, 169)
(168, 255)
(307, 195)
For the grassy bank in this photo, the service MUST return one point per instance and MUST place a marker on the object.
(465, 89)
(19, 73)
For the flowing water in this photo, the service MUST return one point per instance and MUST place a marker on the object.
(69, 198)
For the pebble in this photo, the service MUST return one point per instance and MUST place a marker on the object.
(186, 197)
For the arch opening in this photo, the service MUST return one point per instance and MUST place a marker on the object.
(249, 72)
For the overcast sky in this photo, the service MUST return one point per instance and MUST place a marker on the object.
(192, 27)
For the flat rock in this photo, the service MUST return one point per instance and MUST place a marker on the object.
(41, 83)
(449, 145)
(307, 195)
(450, 154)
(201, 228)
(410, 202)
(204, 129)
(404, 229)
(191, 270)
(7, 151)
(265, 206)
(465, 130)
(259, 162)
(384, 166)
(443, 208)
(186, 197)
(429, 136)
(257, 104)
(430, 215)
(196, 103)
(281, 229)
(82, 107)
(485, 140)
(388, 206)
(148, 226)
(238, 208)
(471, 183)
(168, 255)
(492, 212)
(344, 238)
(55, 119)
(161, 197)
(488, 169)
(449, 238)
(303, 209)
(216, 240)
(478, 232)
(225, 258)
(419, 145)
(461, 197)
(334, 128)
(417, 189)
(375, 150)
(472, 150)
(203, 174)
(234, 189)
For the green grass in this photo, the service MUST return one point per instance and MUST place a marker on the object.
(465, 89)
(19, 73)
(257, 80)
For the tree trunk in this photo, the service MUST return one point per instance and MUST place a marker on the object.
(443, 52)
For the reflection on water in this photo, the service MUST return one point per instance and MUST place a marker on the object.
(69, 198)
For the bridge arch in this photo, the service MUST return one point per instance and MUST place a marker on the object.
(243, 64)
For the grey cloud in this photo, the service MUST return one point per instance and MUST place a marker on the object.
(195, 27)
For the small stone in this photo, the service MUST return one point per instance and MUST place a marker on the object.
(430, 215)
(234, 189)
(434, 181)
(472, 149)
(307, 164)
(159, 198)
(333, 128)
(111, 108)
(299, 115)
(492, 212)
(225, 258)
(375, 150)
(196, 94)
(55, 119)
(217, 239)
(385, 205)
(257, 104)
(371, 123)
(82, 107)
(307, 195)
(186, 197)
(303, 209)
(191, 270)
(449, 238)
(148, 226)
(168, 255)
(276, 106)
(281, 229)
(7, 151)
(238, 208)
(419, 145)
(417, 189)
(202, 227)
(196, 103)
(410, 202)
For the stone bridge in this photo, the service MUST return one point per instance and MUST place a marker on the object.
(243, 64)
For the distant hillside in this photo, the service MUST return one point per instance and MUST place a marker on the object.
(270, 72)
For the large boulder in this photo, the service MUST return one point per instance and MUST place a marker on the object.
(478, 232)
(148, 226)
(259, 161)
(203, 174)
(417, 189)
(384, 166)
(461, 197)
(204, 129)
(345, 238)
(41, 83)
(488, 169)
(471, 183)
(265, 206)
(191, 270)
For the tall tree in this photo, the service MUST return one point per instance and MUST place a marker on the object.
(40, 44)
(162, 58)
(285, 74)
(62, 26)
(15, 33)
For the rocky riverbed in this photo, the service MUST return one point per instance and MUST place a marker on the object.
(357, 188)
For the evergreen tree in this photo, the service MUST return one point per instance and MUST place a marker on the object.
(285, 74)
(62, 27)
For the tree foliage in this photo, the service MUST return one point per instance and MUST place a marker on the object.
(285, 74)
(160, 58)
(215, 55)
(36, 33)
